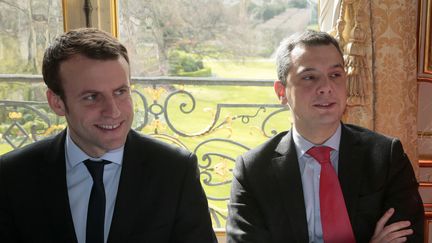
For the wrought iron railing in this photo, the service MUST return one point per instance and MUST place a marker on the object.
(189, 112)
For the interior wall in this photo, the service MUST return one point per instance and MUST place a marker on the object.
(394, 40)
(424, 120)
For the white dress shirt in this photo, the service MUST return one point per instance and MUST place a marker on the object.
(310, 170)
(79, 184)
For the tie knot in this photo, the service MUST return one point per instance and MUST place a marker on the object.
(320, 153)
(96, 168)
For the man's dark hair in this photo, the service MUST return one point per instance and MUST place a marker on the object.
(306, 38)
(89, 42)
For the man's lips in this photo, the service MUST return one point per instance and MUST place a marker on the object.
(324, 104)
(108, 126)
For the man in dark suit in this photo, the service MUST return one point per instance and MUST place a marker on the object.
(280, 190)
(98, 181)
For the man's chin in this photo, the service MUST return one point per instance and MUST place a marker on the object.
(329, 123)
(114, 144)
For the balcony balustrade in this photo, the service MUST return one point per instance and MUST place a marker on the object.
(217, 119)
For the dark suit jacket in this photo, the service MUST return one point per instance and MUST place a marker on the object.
(267, 203)
(159, 199)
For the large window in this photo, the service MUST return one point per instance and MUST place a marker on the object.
(203, 73)
(207, 42)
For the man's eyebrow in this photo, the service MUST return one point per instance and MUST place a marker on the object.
(338, 65)
(307, 70)
(92, 91)
(123, 86)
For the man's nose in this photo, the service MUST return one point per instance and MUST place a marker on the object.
(325, 85)
(111, 108)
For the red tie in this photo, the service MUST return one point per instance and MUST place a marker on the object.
(334, 217)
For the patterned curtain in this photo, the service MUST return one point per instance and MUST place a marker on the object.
(379, 41)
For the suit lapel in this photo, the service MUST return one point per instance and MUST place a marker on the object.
(54, 190)
(134, 181)
(287, 172)
(351, 158)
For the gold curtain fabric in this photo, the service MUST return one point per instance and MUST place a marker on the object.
(379, 39)
(395, 70)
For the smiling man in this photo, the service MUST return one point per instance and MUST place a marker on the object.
(322, 181)
(98, 180)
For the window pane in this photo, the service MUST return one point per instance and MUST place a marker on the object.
(26, 28)
(224, 102)
(217, 38)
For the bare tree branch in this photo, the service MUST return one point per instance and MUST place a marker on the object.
(13, 5)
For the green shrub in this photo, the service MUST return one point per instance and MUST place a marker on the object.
(3, 127)
(205, 72)
(266, 11)
(270, 11)
(186, 64)
(37, 124)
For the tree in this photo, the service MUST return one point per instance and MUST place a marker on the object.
(25, 29)
(201, 27)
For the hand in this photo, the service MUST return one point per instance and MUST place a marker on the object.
(395, 232)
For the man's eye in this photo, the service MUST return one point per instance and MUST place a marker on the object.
(309, 77)
(335, 75)
(121, 91)
(90, 97)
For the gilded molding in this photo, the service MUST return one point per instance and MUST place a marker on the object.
(91, 13)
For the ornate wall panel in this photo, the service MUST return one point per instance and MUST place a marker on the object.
(394, 41)
(425, 41)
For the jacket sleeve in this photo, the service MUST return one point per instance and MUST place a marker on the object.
(193, 223)
(402, 192)
(245, 222)
(8, 233)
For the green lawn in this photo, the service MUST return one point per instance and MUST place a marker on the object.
(4, 148)
(200, 119)
(251, 68)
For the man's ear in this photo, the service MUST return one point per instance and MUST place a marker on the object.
(56, 103)
(280, 91)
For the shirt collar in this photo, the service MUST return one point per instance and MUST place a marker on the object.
(302, 145)
(75, 155)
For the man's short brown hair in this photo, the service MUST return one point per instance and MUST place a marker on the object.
(89, 42)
